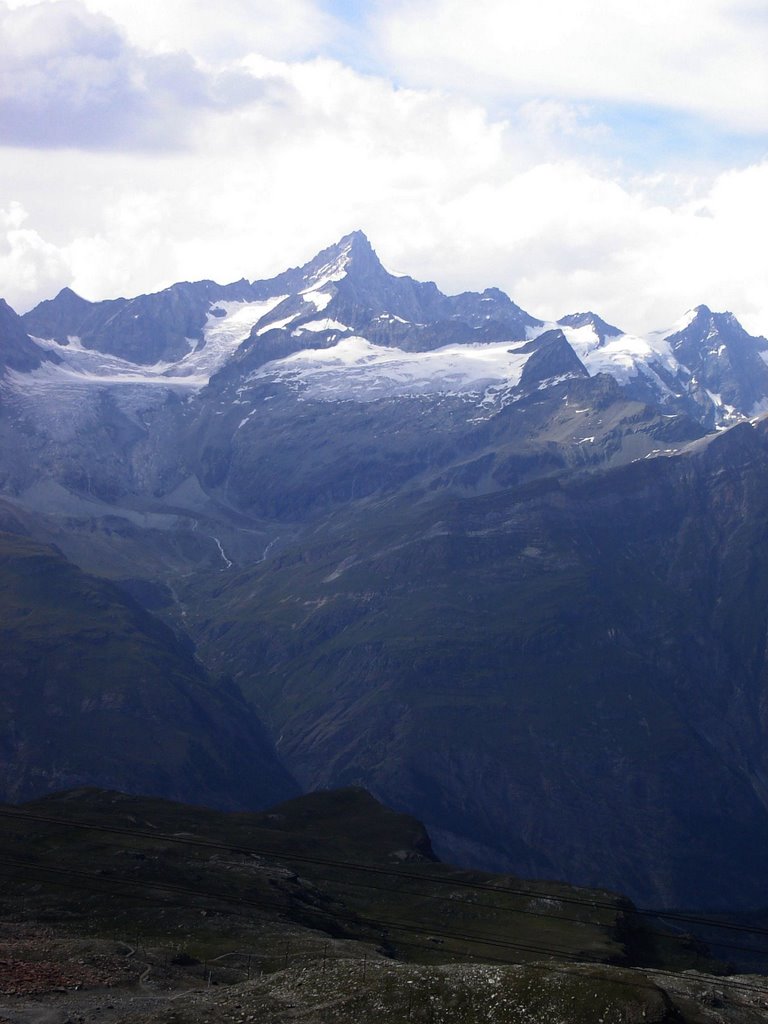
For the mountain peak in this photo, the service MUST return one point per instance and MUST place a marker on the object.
(355, 248)
(701, 320)
(68, 293)
(352, 251)
(589, 319)
(67, 300)
(696, 317)
(355, 240)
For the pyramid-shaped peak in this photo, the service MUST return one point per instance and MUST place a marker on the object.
(355, 248)
(67, 299)
(355, 241)
(352, 253)
(696, 317)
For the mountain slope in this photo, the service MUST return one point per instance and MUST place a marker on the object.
(325, 908)
(17, 350)
(706, 365)
(92, 688)
(336, 863)
(567, 677)
(489, 567)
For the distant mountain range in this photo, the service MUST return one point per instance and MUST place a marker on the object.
(706, 364)
(508, 575)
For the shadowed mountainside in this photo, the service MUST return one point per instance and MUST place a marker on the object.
(93, 687)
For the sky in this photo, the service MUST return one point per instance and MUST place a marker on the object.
(577, 154)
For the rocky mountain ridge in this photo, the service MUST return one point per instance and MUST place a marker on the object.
(706, 365)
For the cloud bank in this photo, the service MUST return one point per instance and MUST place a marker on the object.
(70, 78)
(705, 57)
(133, 157)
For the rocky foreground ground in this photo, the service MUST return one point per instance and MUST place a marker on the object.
(49, 977)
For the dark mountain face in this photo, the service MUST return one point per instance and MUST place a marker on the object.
(496, 573)
(146, 330)
(17, 350)
(564, 679)
(553, 360)
(289, 461)
(721, 358)
(93, 687)
(59, 317)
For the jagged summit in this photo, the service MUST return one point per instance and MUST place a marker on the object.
(357, 244)
(590, 319)
(724, 366)
(706, 364)
(697, 318)
(17, 350)
(701, 320)
(353, 253)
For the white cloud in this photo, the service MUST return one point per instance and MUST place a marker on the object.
(69, 77)
(227, 29)
(547, 118)
(443, 190)
(221, 31)
(30, 265)
(560, 238)
(705, 57)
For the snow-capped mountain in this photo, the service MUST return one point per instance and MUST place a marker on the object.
(706, 363)
(342, 327)
(343, 290)
(139, 396)
(505, 572)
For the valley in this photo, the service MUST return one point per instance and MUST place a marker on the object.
(340, 529)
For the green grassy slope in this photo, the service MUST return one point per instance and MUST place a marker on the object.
(338, 862)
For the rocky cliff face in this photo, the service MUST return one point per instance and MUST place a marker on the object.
(722, 363)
